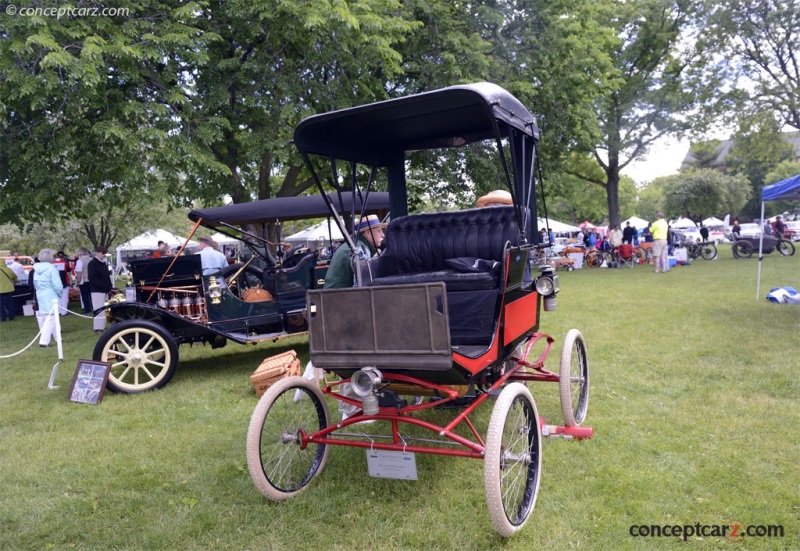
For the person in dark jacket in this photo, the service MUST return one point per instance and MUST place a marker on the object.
(100, 285)
(628, 233)
(370, 236)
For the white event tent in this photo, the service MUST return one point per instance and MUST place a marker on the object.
(556, 226)
(147, 243)
(315, 232)
(683, 223)
(712, 222)
(636, 222)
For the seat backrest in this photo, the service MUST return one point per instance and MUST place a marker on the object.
(422, 242)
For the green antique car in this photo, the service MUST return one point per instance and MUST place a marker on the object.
(257, 298)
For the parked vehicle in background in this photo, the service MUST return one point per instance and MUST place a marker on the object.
(749, 230)
(259, 299)
(690, 234)
(717, 236)
(706, 251)
(791, 230)
(744, 247)
(26, 261)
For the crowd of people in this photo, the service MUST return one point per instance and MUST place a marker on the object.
(50, 279)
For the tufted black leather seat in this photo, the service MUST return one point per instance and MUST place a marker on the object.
(419, 246)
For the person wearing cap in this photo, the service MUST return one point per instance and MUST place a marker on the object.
(211, 259)
(99, 285)
(496, 198)
(370, 236)
(778, 227)
(660, 231)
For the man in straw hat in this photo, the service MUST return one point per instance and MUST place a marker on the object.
(370, 236)
(496, 198)
(211, 259)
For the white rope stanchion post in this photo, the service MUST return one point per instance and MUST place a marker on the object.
(57, 320)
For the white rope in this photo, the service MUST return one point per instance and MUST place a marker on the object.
(24, 349)
(52, 313)
(56, 320)
(84, 316)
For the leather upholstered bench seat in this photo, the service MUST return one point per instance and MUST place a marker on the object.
(464, 249)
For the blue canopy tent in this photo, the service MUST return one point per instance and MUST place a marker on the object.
(785, 190)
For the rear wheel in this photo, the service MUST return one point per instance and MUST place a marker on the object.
(573, 379)
(280, 466)
(742, 249)
(786, 248)
(143, 356)
(708, 251)
(513, 460)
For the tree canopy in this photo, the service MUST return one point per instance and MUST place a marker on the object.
(184, 102)
(702, 192)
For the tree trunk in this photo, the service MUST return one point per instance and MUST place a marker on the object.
(612, 198)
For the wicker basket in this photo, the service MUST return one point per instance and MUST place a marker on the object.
(273, 369)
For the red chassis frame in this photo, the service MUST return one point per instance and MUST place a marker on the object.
(523, 371)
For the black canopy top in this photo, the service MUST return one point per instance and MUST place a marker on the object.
(375, 134)
(287, 208)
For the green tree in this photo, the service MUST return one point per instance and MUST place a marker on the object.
(651, 198)
(702, 192)
(760, 42)
(276, 62)
(706, 154)
(780, 172)
(758, 147)
(653, 89)
(88, 106)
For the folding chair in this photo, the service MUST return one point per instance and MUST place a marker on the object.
(624, 254)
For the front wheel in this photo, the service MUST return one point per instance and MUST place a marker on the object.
(143, 356)
(513, 460)
(280, 464)
(573, 379)
(708, 251)
(786, 248)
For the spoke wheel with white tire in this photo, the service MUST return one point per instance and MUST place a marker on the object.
(573, 379)
(143, 356)
(513, 460)
(280, 466)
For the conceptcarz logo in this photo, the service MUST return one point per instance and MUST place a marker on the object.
(734, 531)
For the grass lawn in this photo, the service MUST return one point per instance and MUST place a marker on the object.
(694, 400)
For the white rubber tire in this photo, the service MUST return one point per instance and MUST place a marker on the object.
(279, 468)
(513, 460)
(573, 379)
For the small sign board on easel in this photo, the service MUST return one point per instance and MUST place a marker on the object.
(89, 382)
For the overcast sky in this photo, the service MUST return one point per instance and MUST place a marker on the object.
(665, 158)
